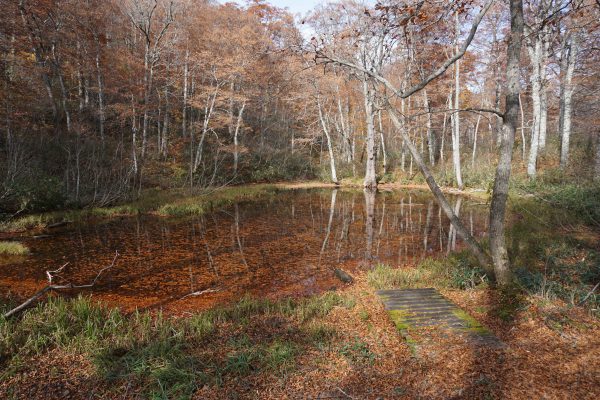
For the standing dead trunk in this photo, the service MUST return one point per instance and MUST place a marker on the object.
(503, 170)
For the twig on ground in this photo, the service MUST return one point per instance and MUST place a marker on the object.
(589, 294)
(201, 292)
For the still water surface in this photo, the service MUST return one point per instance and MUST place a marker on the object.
(287, 245)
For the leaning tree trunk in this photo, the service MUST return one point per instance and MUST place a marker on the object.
(482, 257)
(503, 169)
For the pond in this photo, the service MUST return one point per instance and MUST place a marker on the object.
(286, 245)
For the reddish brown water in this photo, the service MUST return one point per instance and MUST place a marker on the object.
(288, 245)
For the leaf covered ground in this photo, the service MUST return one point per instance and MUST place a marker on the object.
(337, 345)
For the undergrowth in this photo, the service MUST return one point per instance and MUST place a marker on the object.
(167, 357)
(456, 271)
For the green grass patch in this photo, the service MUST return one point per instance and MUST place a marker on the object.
(171, 202)
(13, 249)
(198, 205)
(171, 357)
(456, 271)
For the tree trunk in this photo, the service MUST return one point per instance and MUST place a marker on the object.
(208, 109)
(477, 250)
(565, 133)
(370, 174)
(523, 139)
(334, 178)
(165, 129)
(236, 153)
(475, 141)
(597, 167)
(511, 116)
(535, 50)
(456, 115)
(185, 95)
(430, 138)
(382, 138)
(100, 92)
(543, 91)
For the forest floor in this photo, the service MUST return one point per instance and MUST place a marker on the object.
(338, 345)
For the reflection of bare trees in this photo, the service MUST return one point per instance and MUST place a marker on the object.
(237, 233)
(428, 227)
(328, 231)
(452, 230)
(370, 220)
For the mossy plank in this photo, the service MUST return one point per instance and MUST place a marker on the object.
(411, 309)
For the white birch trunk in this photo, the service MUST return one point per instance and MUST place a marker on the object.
(236, 153)
(370, 174)
(456, 115)
(567, 102)
(334, 178)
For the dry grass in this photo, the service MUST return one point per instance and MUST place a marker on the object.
(13, 249)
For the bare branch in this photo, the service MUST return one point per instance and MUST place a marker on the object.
(50, 286)
(439, 71)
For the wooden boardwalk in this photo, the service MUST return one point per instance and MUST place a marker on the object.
(412, 309)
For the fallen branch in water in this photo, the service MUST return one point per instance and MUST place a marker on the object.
(53, 274)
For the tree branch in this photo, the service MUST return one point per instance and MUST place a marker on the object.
(50, 286)
(439, 71)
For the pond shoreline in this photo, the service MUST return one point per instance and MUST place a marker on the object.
(152, 200)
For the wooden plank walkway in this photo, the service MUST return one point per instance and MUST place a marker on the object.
(418, 308)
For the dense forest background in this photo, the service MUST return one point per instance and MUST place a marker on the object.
(100, 99)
